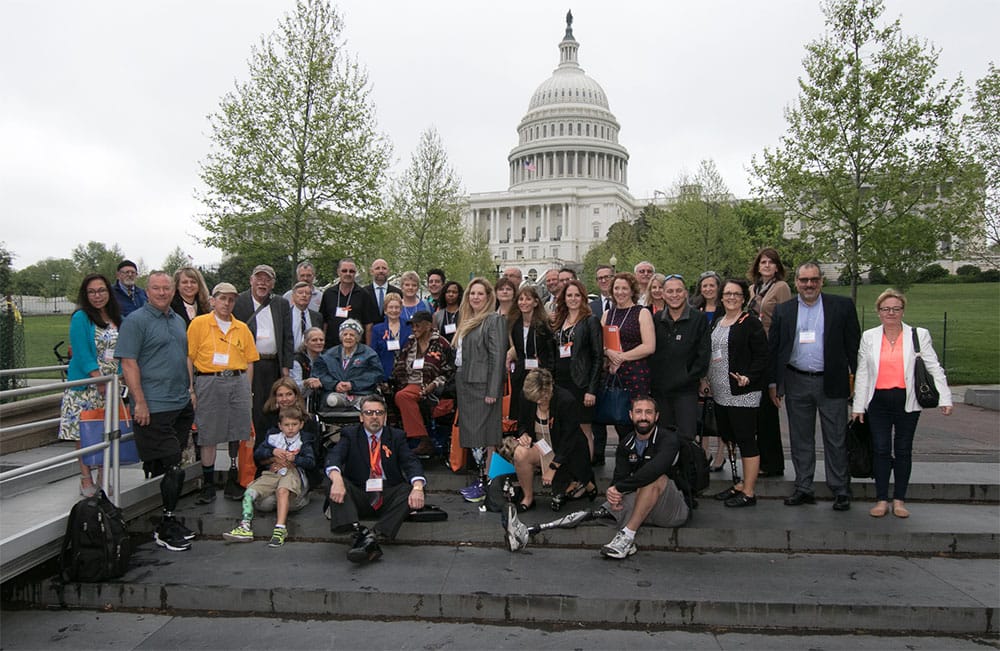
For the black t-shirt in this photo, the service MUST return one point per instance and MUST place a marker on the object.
(359, 306)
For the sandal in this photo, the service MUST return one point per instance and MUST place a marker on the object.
(87, 487)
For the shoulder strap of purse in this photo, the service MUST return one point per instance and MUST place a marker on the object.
(916, 342)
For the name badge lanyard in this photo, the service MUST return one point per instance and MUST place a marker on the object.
(347, 307)
(614, 313)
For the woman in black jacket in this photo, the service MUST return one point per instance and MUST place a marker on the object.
(549, 437)
(736, 375)
(531, 343)
(580, 353)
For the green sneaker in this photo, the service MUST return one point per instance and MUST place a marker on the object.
(240, 533)
(278, 537)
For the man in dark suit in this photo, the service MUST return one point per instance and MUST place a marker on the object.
(372, 473)
(302, 316)
(814, 349)
(598, 306)
(269, 318)
(380, 286)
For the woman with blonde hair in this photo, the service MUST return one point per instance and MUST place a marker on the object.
(884, 388)
(191, 297)
(409, 283)
(480, 354)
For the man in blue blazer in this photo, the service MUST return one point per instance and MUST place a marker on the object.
(814, 351)
(373, 473)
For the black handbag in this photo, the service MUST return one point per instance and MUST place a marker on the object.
(927, 393)
(613, 403)
(708, 424)
(860, 450)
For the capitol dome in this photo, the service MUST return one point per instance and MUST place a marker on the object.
(569, 131)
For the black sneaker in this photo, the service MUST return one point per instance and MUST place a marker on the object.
(233, 490)
(206, 495)
(166, 536)
(180, 530)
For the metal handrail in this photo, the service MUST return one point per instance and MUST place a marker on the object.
(112, 428)
(32, 369)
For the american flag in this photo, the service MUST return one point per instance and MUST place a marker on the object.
(530, 166)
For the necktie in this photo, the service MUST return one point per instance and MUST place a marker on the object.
(376, 471)
(304, 325)
(381, 297)
(607, 304)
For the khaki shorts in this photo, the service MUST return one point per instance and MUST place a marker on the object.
(669, 511)
(269, 483)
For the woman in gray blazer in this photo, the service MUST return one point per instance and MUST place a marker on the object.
(480, 352)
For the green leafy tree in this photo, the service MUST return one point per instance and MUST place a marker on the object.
(983, 131)
(175, 260)
(700, 230)
(96, 257)
(296, 163)
(50, 277)
(872, 148)
(6, 270)
(425, 215)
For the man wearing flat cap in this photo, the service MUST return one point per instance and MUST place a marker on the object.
(269, 318)
(130, 296)
(221, 356)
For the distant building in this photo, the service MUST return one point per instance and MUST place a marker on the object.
(568, 175)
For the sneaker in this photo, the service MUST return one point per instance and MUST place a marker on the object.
(474, 493)
(233, 490)
(239, 533)
(206, 495)
(181, 531)
(517, 533)
(278, 537)
(473, 486)
(621, 546)
(166, 536)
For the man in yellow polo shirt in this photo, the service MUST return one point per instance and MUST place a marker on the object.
(221, 353)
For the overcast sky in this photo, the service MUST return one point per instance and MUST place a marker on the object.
(103, 104)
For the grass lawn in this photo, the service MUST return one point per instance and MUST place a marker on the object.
(971, 352)
(41, 333)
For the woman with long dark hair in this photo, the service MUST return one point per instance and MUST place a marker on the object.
(531, 343)
(579, 353)
(93, 333)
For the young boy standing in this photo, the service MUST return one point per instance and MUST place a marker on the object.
(288, 454)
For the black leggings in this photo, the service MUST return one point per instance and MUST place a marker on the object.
(738, 425)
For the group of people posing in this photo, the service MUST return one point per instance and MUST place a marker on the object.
(232, 361)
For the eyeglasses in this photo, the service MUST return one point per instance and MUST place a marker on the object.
(97, 292)
(348, 271)
(601, 279)
(890, 310)
(374, 412)
(732, 294)
(809, 281)
(645, 271)
(128, 272)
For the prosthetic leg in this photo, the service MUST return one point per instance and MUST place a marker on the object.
(518, 534)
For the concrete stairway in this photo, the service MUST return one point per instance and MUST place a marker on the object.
(770, 567)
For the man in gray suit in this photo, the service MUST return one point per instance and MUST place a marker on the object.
(269, 319)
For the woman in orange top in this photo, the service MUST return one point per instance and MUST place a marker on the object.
(884, 386)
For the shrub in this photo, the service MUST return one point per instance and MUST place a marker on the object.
(931, 273)
(969, 270)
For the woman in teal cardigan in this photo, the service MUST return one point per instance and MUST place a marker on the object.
(93, 332)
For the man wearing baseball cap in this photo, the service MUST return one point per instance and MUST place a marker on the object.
(221, 353)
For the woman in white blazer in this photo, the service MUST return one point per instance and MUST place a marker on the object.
(884, 388)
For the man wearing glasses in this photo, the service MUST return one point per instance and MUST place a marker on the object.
(814, 349)
(373, 474)
(130, 296)
(643, 274)
(347, 300)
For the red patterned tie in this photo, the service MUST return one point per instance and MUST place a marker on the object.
(376, 471)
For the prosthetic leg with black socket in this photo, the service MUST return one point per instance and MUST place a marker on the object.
(170, 533)
(233, 490)
(518, 534)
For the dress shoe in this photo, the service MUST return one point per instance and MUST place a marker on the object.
(425, 450)
(741, 500)
(365, 548)
(899, 509)
(798, 498)
(842, 503)
(879, 510)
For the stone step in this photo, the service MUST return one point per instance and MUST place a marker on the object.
(552, 587)
(958, 530)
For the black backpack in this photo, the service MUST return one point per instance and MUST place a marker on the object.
(691, 471)
(96, 546)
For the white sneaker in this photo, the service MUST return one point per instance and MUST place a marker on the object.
(621, 546)
(517, 532)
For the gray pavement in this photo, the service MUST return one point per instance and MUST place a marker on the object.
(82, 630)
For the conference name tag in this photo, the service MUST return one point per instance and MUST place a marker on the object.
(807, 336)
(418, 363)
(343, 312)
(530, 363)
(374, 485)
(392, 344)
(220, 359)
(450, 328)
(565, 350)
(543, 446)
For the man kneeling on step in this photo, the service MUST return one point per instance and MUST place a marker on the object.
(373, 473)
(640, 491)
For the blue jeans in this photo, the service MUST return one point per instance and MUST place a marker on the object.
(892, 430)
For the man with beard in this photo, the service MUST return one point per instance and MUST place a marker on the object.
(640, 491)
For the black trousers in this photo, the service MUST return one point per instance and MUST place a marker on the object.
(265, 373)
(390, 516)
(772, 454)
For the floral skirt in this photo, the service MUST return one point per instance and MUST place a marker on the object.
(73, 402)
